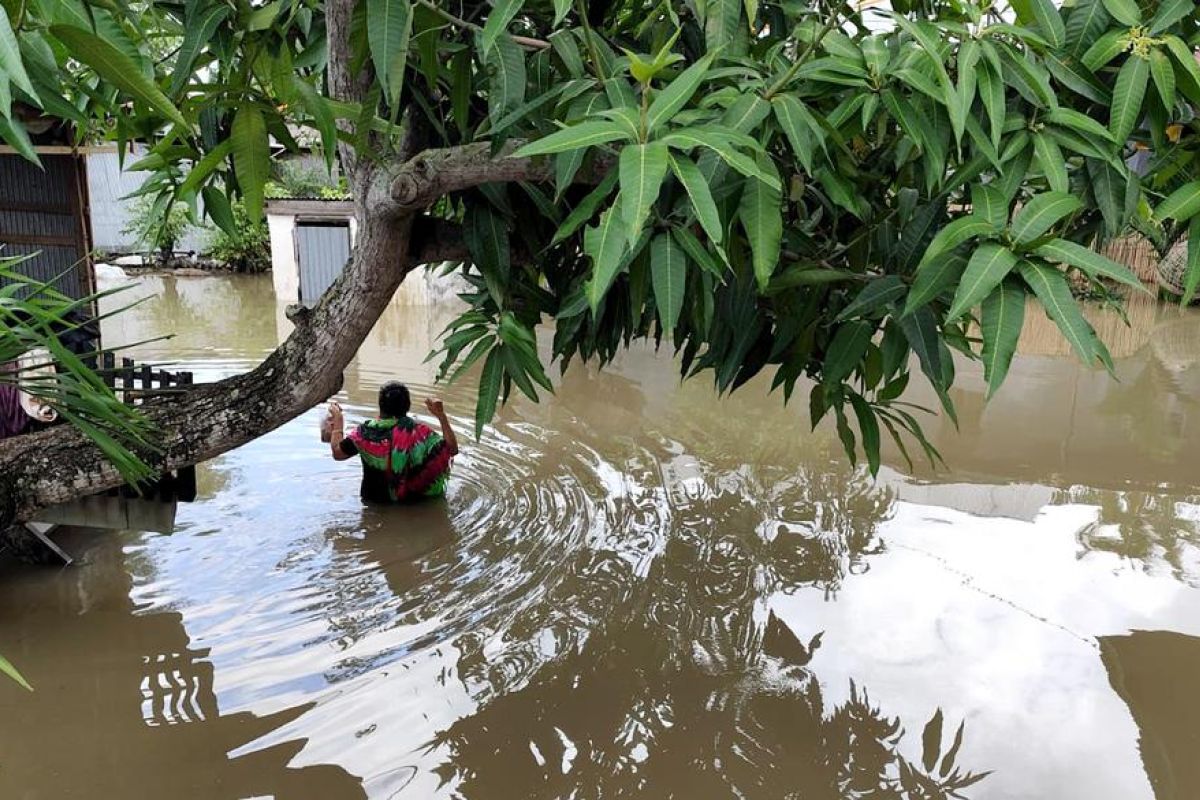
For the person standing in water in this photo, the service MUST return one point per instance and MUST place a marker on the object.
(402, 459)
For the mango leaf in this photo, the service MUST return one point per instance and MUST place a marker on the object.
(641, 168)
(1087, 21)
(794, 119)
(1128, 95)
(1089, 261)
(604, 244)
(761, 213)
(389, 25)
(12, 67)
(206, 166)
(698, 191)
(1183, 57)
(987, 202)
(721, 144)
(1044, 15)
(676, 95)
(1080, 123)
(17, 137)
(988, 266)
(574, 137)
(668, 272)
(1191, 278)
(1105, 49)
(318, 108)
(991, 90)
(118, 69)
(876, 295)
(954, 234)
(696, 251)
(1124, 11)
(1001, 319)
(933, 279)
(251, 157)
(197, 34)
(8, 669)
(920, 329)
(486, 235)
(498, 18)
(868, 428)
(1055, 296)
(1170, 12)
(1050, 159)
(586, 208)
(489, 389)
(1164, 77)
(506, 79)
(217, 206)
(1108, 187)
(1182, 204)
(846, 350)
(561, 8)
(1041, 213)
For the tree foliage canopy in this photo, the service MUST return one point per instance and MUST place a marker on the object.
(805, 187)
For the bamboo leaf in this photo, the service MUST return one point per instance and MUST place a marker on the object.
(641, 168)
(1041, 213)
(1089, 261)
(389, 25)
(668, 271)
(574, 137)
(988, 266)
(1055, 296)
(604, 244)
(1124, 11)
(1001, 319)
(117, 68)
(698, 191)
(498, 18)
(1182, 204)
(1128, 95)
(676, 94)
(251, 157)
(761, 213)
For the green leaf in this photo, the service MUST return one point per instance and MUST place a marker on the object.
(868, 428)
(1044, 15)
(460, 90)
(1087, 21)
(1069, 118)
(1181, 205)
(668, 271)
(935, 278)
(722, 145)
(1001, 319)
(8, 669)
(920, 329)
(876, 295)
(794, 119)
(216, 205)
(604, 244)
(498, 18)
(486, 235)
(118, 69)
(1041, 213)
(1050, 158)
(761, 213)
(676, 94)
(991, 90)
(641, 168)
(696, 250)
(506, 80)
(389, 25)
(988, 266)
(251, 157)
(846, 350)
(586, 208)
(12, 67)
(988, 203)
(574, 137)
(1170, 12)
(489, 389)
(954, 234)
(197, 34)
(1055, 296)
(1124, 11)
(1183, 57)
(702, 201)
(318, 108)
(206, 166)
(17, 137)
(1089, 261)
(1128, 95)
(1105, 49)
(1108, 187)
(1164, 77)
(1191, 278)
(561, 7)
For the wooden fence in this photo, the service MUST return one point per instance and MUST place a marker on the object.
(133, 383)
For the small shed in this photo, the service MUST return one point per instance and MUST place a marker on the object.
(310, 244)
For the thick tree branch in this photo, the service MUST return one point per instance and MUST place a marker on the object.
(422, 180)
(437, 240)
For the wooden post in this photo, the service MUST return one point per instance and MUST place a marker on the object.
(126, 379)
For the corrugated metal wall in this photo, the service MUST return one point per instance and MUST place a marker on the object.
(41, 216)
(107, 184)
(322, 249)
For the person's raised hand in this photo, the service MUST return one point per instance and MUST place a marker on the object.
(335, 414)
(435, 406)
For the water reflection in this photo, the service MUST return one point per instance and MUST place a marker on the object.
(636, 589)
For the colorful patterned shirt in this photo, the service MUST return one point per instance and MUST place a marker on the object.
(402, 460)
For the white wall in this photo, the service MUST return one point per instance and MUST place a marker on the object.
(107, 184)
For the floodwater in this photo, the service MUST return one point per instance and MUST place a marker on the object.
(637, 590)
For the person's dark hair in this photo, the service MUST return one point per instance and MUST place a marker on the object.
(394, 400)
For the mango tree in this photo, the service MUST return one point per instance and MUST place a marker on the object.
(806, 188)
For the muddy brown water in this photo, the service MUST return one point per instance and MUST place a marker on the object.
(637, 590)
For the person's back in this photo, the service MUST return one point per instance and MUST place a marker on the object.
(402, 459)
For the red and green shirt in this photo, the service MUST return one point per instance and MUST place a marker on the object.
(402, 459)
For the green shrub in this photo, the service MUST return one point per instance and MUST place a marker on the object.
(248, 249)
(155, 226)
(296, 179)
